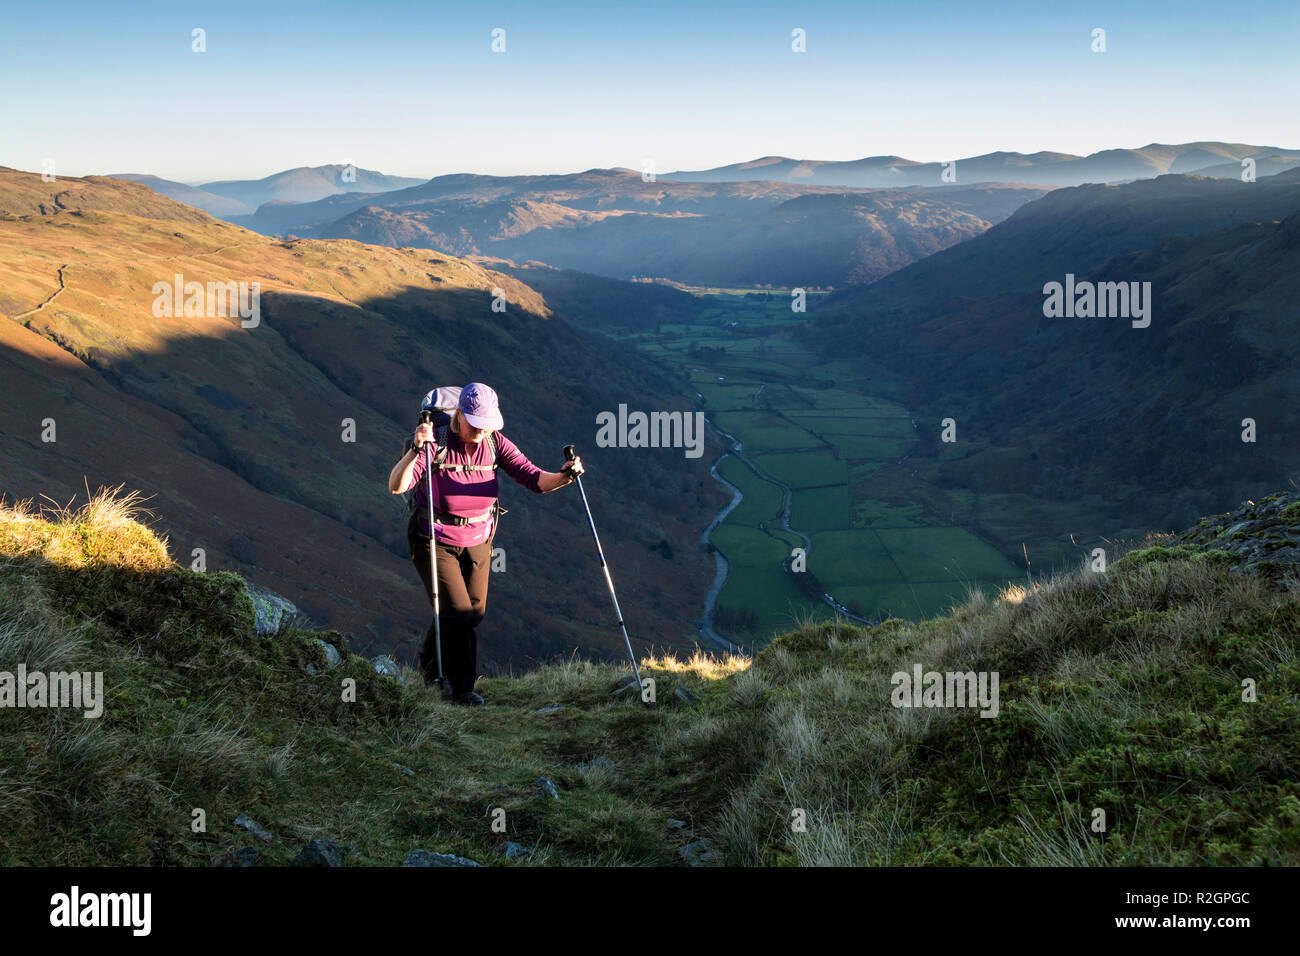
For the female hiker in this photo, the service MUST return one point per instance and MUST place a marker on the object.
(465, 518)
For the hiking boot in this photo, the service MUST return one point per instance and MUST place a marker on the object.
(470, 699)
(442, 685)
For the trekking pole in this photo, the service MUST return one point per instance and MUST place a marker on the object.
(433, 563)
(569, 456)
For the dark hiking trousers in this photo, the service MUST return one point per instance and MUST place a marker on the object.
(463, 575)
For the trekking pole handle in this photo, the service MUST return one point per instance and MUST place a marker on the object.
(569, 453)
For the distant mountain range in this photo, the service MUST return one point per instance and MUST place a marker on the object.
(1148, 420)
(234, 198)
(816, 238)
(1219, 160)
(769, 222)
(612, 222)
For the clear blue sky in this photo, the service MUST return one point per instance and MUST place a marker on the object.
(414, 89)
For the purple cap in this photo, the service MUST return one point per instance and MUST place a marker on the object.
(478, 404)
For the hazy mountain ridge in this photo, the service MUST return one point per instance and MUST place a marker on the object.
(723, 225)
(223, 207)
(1041, 168)
(593, 190)
(619, 226)
(229, 199)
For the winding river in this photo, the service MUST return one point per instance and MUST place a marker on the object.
(720, 577)
(737, 496)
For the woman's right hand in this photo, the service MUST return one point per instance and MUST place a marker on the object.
(423, 433)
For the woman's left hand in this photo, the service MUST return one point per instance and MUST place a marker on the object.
(573, 469)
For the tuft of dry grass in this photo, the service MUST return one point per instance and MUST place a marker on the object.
(105, 530)
(702, 665)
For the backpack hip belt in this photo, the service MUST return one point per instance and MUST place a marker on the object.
(460, 521)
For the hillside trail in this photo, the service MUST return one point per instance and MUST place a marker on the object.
(57, 292)
(68, 265)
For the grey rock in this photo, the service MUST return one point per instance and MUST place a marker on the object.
(425, 858)
(699, 853)
(514, 851)
(270, 611)
(549, 709)
(321, 852)
(243, 857)
(682, 693)
(251, 825)
(675, 824)
(406, 770)
(388, 667)
(548, 788)
(332, 655)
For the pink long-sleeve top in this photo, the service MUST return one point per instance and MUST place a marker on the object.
(469, 494)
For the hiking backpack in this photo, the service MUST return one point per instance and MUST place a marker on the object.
(441, 403)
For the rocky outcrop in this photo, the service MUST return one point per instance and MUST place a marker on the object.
(1261, 537)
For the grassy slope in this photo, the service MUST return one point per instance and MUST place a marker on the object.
(202, 712)
(1119, 690)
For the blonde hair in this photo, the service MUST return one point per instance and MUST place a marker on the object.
(455, 424)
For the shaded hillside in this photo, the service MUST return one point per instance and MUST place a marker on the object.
(595, 302)
(1044, 168)
(1148, 420)
(1163, 693)
(240, 431)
